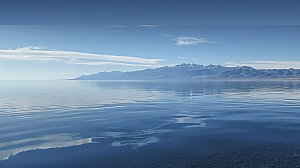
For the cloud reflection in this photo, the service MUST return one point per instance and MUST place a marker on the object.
(136, 142)
(138, 138)
(9, 149)
(191, 120)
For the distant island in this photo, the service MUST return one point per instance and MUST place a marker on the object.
(196, 72)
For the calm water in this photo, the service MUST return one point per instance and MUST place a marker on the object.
(149, 124)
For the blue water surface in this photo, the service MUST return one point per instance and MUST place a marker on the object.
(149, 124)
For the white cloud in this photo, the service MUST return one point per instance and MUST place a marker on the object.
(184, 40)
(136, 26)
(72, 57)
(267, 64)
(191, 41)
(113, 63)
(149, 26)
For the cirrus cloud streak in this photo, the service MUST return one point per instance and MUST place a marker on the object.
(72, 57)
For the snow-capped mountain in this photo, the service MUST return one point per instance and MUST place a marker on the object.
(193, 72)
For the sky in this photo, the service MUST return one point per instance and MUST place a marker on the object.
(41, 40)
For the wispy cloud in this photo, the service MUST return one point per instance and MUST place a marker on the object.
(183, 40)
(72, 57)
(113, 63)
(189, 41)
(149, 26)
(267, 64)
(136, 26)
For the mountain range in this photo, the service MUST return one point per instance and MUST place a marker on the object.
(187, 71)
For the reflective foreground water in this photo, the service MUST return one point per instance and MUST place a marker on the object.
(149, 124)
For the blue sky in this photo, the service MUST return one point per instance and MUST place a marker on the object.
(65, 39)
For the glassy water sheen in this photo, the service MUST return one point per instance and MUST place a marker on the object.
(149, 124)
